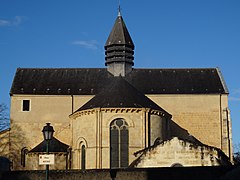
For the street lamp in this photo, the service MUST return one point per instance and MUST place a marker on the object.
(47, 134)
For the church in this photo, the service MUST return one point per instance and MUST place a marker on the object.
(120, 116)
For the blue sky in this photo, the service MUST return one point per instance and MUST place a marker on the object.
(166, 33)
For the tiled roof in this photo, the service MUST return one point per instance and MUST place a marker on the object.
(119, 34)
(54, 146)
(59, 81)
(90, 81)
(119, 93)
(178, 81)
(119, 46)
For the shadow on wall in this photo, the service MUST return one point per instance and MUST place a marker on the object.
(17, 141)
(11, 144)
(178, 131)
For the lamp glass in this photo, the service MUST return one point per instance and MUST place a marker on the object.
(48, 132)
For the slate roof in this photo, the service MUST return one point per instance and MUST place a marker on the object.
(54, 146)
(58, 81)
(119, 93)
(119, 47)
(119, 34)
(178, 81)
(90, 81)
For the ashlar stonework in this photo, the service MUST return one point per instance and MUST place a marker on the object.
(177, 152)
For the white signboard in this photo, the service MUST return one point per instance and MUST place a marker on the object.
(46, 159)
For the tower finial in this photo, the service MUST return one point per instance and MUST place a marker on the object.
(119, 8)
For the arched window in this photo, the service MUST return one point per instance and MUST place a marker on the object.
(24, 151)
(83, 157)
(82, 148)
(119, 142)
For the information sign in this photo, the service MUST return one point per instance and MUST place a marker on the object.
(46, 159)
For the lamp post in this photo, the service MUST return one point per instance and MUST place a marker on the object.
(47, 134)
(113, 173)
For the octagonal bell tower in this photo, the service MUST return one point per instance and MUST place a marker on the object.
(119, 49)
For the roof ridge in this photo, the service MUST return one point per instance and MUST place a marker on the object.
(58, 68)
(208, 68)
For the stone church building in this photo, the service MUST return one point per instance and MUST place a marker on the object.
(120, 116)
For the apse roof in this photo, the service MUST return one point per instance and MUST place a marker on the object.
(90, 81)
(118, 93)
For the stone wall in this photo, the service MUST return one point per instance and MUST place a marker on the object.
(192, 173)
(182, 153)
(198, 115)
(202, 116)
(32, 162)
(94, 128)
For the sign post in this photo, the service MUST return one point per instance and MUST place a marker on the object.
(48, 135)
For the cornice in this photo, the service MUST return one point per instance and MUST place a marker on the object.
(118, 110)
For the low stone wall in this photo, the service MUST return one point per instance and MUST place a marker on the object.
(176, 173)
(178, 151)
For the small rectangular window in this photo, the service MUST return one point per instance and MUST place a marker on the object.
(26, 105)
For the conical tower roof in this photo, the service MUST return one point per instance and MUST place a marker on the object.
(119, 34)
